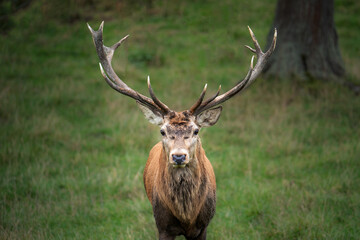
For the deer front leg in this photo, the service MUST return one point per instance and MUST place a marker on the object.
(201, 236)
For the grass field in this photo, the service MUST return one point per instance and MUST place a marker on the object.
(72, 151)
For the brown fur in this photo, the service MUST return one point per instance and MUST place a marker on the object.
(179, 118)
(188, 195)
(183, 199)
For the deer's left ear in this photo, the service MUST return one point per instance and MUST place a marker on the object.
(208, 117)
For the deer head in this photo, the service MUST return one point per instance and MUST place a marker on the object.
(179, 130)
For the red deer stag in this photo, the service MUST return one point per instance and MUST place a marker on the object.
(179, 179)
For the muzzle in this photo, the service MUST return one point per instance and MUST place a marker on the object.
(179, 160)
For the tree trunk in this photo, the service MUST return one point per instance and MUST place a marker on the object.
(307, 44)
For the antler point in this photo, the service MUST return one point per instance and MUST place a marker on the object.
(250, 48)
(102, 70)
(90, 28)
(101, 26)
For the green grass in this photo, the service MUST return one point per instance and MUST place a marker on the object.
(72, 151)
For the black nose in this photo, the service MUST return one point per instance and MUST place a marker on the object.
(179, 159)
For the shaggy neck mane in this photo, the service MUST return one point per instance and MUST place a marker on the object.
(185, 188)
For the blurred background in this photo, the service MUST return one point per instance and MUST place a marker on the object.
(285, 152)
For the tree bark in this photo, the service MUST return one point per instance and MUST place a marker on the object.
(307, 46)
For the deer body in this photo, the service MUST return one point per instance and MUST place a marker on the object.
(184, 199)
(179, 179)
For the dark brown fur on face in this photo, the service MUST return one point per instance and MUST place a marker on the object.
(182, 118)
(179, 124)
(183, 199)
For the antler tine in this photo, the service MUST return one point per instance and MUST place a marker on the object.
(199, 101)
(126, 92)
(223, 97)
(252, 74)
(165, 108)
(105, 55)
(261, 56)
(207, 101)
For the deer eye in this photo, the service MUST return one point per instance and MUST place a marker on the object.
(196, 131)
(162, 132)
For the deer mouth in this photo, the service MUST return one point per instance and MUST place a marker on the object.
(179, 165)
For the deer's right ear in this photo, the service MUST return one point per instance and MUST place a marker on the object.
(152, 116)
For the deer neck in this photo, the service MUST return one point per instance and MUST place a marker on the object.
(182, 187)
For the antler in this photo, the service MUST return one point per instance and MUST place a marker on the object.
(252, 74)
(105, 56)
